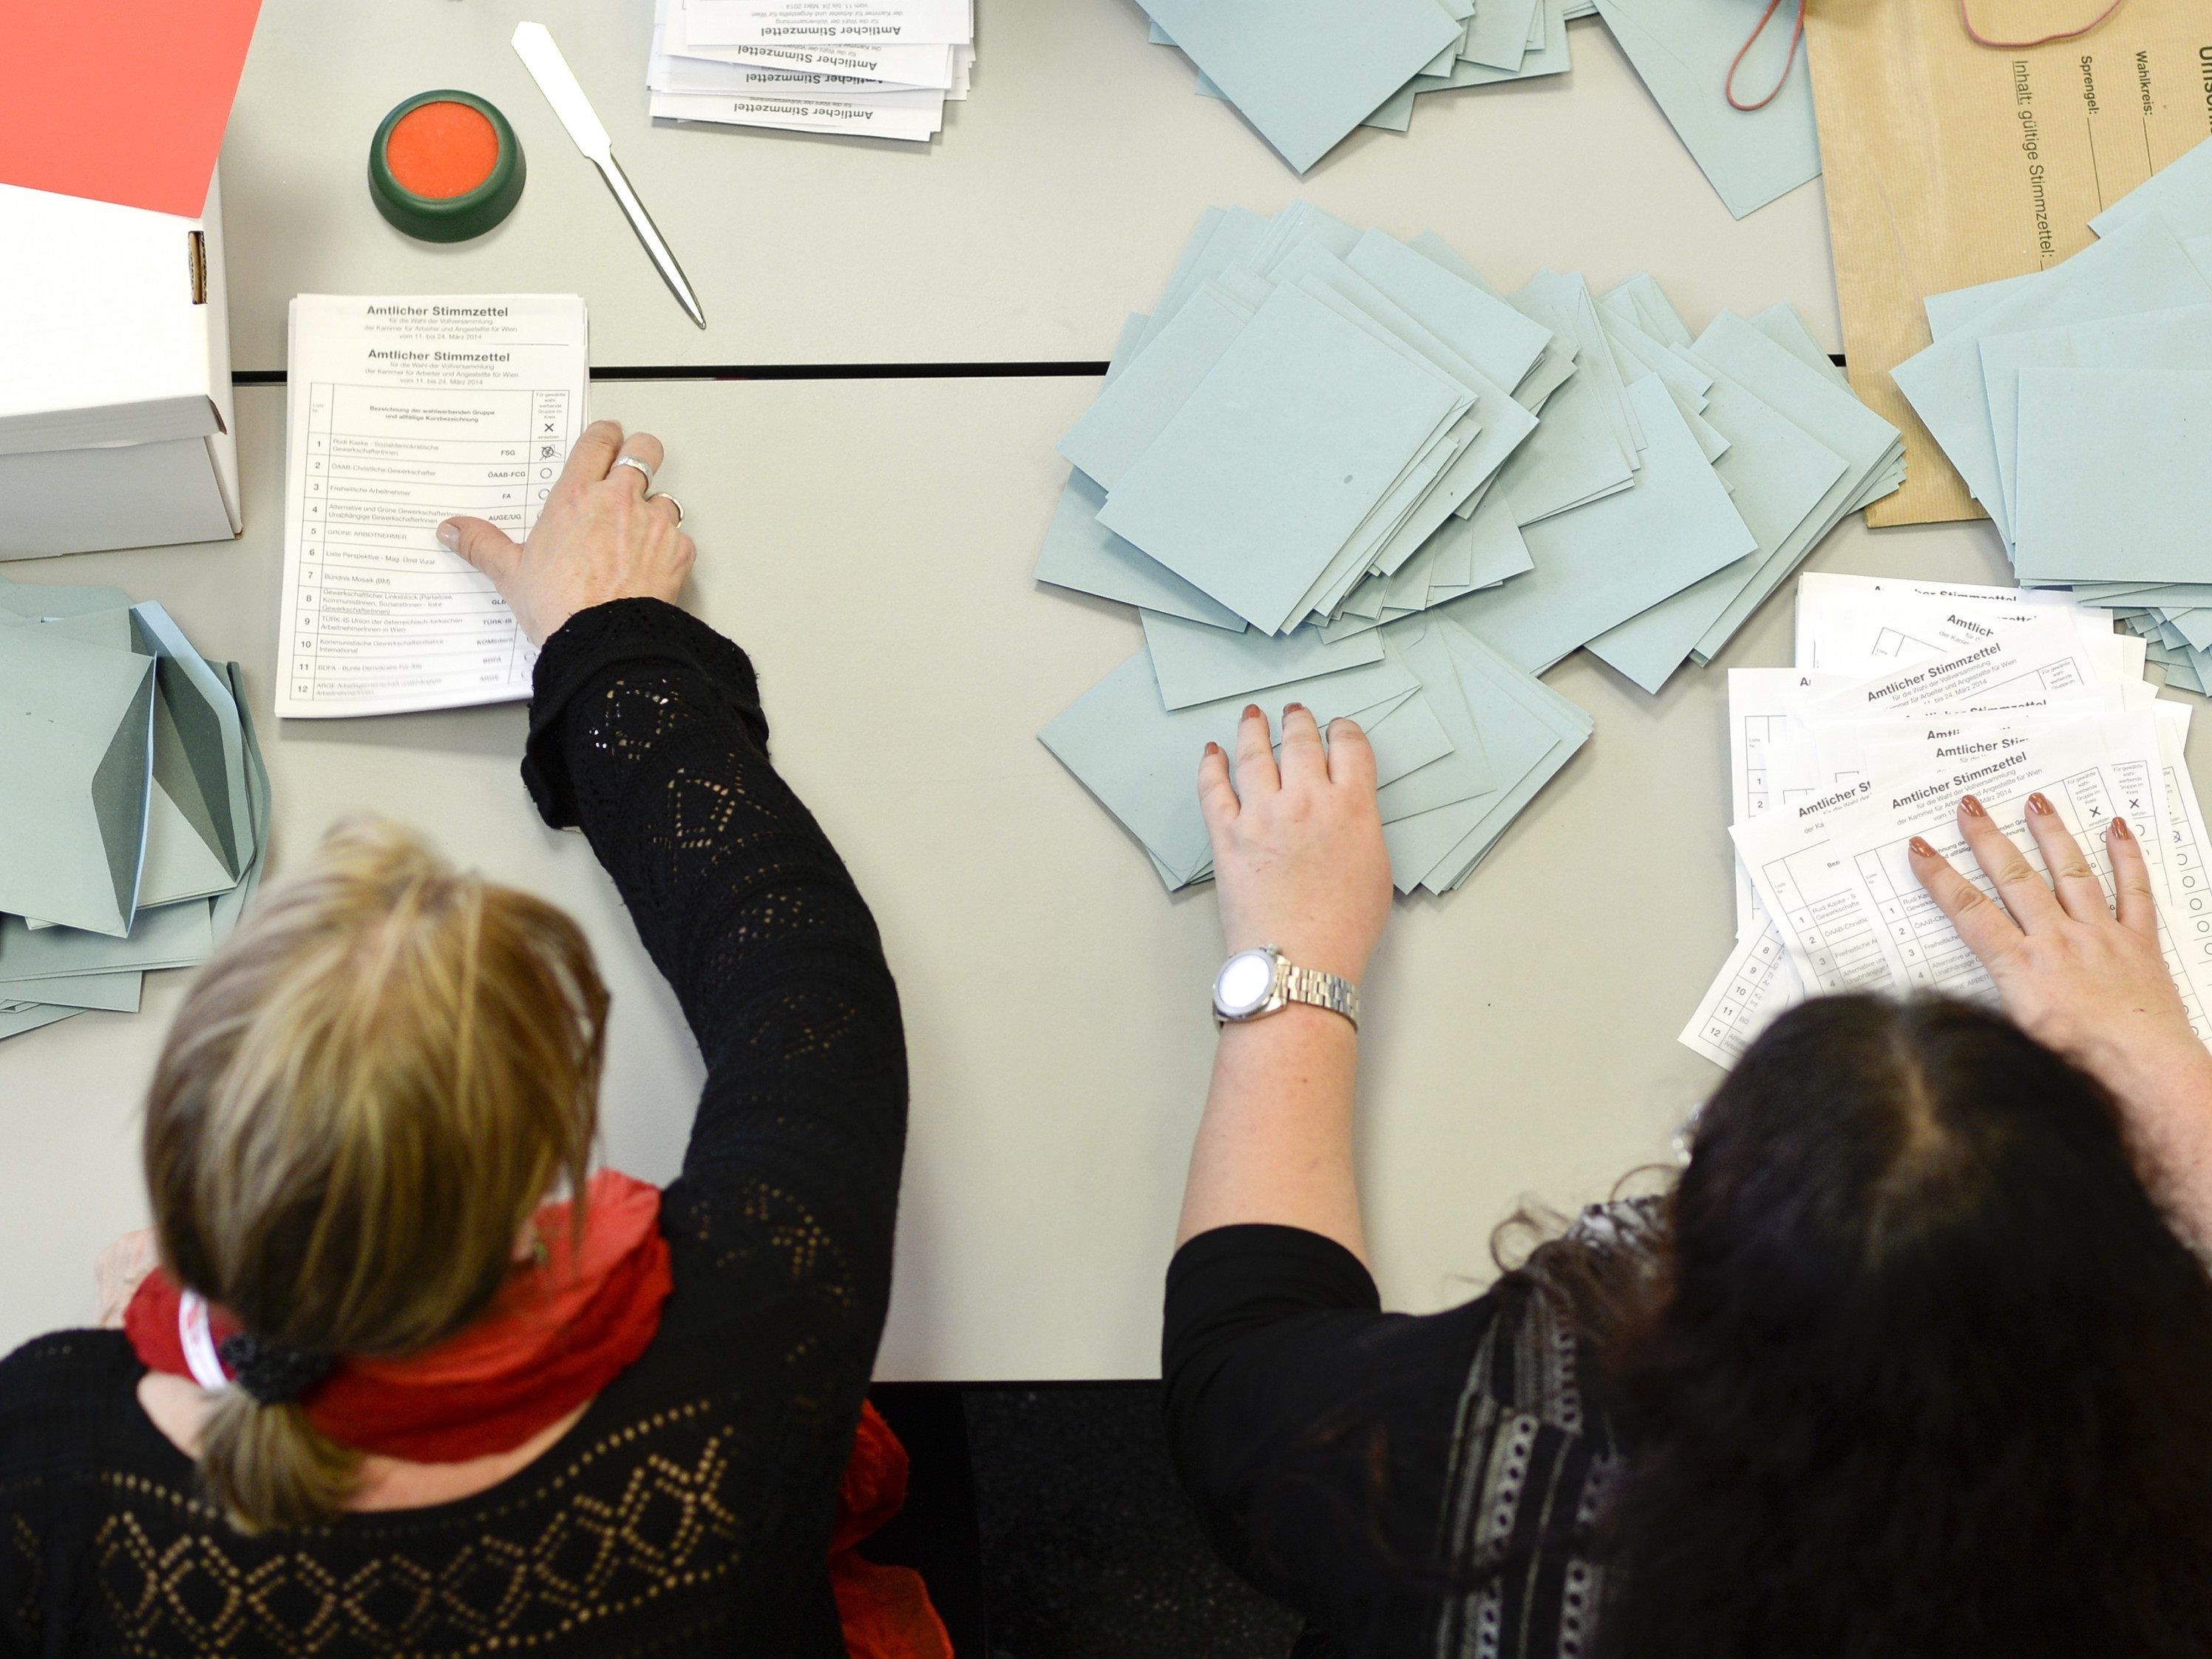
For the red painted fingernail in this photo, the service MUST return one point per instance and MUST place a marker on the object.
(1971, 807)
(2037, 804)
(1214, 749)
(2120, 830)
(1290, 708)
(1921, 849)
(1252, 712)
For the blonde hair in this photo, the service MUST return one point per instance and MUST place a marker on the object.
(371, 1087)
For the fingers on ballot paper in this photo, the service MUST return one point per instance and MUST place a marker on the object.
(1908, 698)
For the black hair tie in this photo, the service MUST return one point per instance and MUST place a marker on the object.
(273, 1373)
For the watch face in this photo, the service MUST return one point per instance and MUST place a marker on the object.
(1246, 979)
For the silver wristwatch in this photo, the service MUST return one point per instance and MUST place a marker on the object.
(1256, 982)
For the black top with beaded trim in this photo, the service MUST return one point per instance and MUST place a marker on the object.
(688, 1512)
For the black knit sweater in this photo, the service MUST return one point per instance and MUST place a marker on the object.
(688, 1512)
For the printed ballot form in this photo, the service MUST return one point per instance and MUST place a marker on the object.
(1921, 693)
(402, 412)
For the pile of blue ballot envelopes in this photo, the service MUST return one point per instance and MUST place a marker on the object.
(2076, 404)
(1306, 72)
(134, 805)
(1345, 471)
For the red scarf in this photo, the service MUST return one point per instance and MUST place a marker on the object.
(559, 1332)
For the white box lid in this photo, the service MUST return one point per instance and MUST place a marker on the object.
(102, 340)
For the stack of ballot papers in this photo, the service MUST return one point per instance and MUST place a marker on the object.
(134, 805)
(1305, 73)
(1905, 697)
(882, 69)
(1322, 444)
(2077, 402)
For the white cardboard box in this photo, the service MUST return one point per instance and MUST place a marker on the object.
(115, 411)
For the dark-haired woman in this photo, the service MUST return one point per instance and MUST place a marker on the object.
(1914, 1359)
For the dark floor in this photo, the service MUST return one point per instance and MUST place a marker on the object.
(1088, 1548)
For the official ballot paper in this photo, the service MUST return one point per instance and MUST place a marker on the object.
(403, 411)
(1943, 689)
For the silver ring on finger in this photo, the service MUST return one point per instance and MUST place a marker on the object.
(644, 472)
(673, 502)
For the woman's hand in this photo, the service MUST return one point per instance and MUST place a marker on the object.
(599, 537)
(2090, 983)
(1298, 858)
(117, 1275)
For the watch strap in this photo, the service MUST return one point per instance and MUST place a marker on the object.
(1323, 990)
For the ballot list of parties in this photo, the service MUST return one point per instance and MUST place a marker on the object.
(403, 412)
(1907, 696)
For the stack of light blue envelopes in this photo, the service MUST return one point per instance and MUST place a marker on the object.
(1345, 471)
(134, 805)
(2077, 402)
(1305, 73)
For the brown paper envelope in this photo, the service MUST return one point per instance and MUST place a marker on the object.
(1949, 163)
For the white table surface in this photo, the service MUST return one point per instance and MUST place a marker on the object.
(1054, 201)
(869, 542)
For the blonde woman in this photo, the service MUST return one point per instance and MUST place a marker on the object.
(407, 1378)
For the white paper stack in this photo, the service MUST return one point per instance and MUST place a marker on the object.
(1324, 446)
(1305, 73)
(1905, 698)
(882, 69)
(2077, 402)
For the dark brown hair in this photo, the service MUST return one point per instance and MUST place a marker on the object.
(1912, 1365)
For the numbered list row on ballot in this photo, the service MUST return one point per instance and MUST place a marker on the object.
(402, 412)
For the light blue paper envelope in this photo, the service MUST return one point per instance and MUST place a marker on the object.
(224, 911)
(1465, 772)
(1600, 564)
(15, 1022)
(53, 600)
(1494, 426)
(1567, 300)
(2151, 339)
(1778, 476)
(114, 994)
(1479, 326)
(1661, 321)
(1223, 239)
(1306, 72)
(1814, 402)
(2179, 193)
(1081, 554)
(161, 936)
(2114, 480)
(1529, 732)
(1140, 760)
(195, 815)
(1196, 664)
(76, 736)
(1950, 310)
(2141, 267)
(1278, 456)
(1682, 51)
(1781, 324)
(199, 747)
(1137, 404)
(1553, 370)
(1545, 52)
(1497, 38)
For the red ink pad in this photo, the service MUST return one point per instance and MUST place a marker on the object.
(445, 165)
